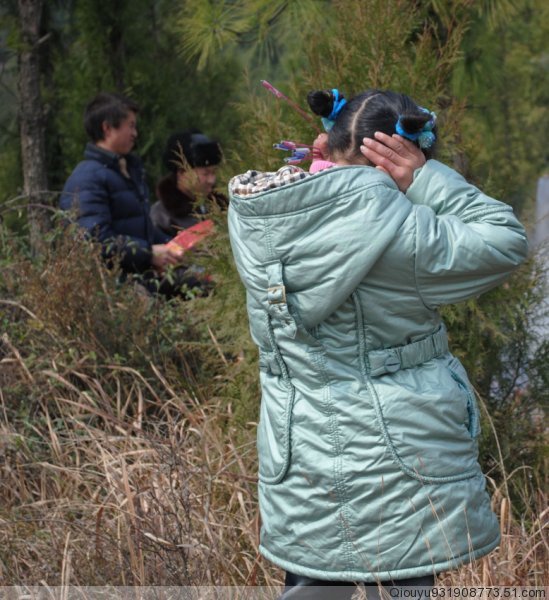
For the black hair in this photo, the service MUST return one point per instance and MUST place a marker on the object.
(190, 148)
(112, 108)
(321, 102)
(366, 113)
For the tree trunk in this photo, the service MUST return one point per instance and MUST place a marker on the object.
(32, 123)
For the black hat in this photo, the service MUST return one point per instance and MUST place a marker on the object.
(198, 150)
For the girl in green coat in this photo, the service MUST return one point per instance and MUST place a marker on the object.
(368, 426)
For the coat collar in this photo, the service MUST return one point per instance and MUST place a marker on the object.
(174, 200)
(107, 158)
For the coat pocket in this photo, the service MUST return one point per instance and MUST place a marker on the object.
(429, 420)
(273, 433)
(460, 377)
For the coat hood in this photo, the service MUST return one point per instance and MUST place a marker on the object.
(293, 224)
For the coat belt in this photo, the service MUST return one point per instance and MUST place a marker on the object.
(391, 360)
(386, 361)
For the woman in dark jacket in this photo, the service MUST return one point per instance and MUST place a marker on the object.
(191, 158)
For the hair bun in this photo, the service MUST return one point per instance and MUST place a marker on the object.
(414, 122)
(418, 127)
(321, 102)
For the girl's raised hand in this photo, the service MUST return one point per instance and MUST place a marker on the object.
(394, 155)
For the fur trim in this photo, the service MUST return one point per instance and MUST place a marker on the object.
(176, 202)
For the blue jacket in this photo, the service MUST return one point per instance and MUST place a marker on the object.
(112, 208)
(368, 426)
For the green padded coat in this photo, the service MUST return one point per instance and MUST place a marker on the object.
(368, 426)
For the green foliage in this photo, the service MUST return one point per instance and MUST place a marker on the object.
(496, 338)
(210, 26)
(10, 176)
(501, 80)
(405, 46)
(264, 32)
(366, 44)
(10, 168)
(504, 78)
(128, 47)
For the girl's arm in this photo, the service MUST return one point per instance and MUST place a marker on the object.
(466, 242)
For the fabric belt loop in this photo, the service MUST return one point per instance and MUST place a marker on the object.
(277, 305)
(276, 292)
(268, 362)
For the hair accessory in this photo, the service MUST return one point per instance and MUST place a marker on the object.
(295, 106)
(425, 138)
(300, 152)
(339, 103)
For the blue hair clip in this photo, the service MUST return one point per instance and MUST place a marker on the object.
(339, 103)
(425, 138)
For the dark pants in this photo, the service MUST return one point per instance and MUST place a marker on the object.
(299, 587)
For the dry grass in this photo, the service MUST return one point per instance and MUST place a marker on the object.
(522, 557)
(160, 494)
(120, 466)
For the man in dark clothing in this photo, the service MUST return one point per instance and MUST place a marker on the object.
(109, 195)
